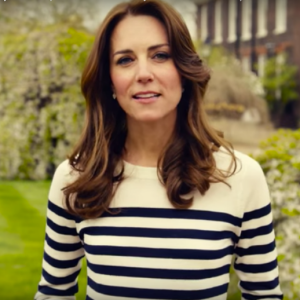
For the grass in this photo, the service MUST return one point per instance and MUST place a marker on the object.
(22, 230)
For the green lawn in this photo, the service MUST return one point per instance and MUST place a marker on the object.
(22, 229)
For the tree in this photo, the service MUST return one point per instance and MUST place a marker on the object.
(41, 106)
(279, 82)
(34, 13)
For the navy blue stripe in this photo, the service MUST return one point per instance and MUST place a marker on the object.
(157, 294)
(262, 249)
(60, 280)
(251, 233)
(260, 285)
(61, 212)
(159, 233)
(61, 264)
(258, 213)
(167, 213)
(53, 292)
(63, 247)
(159, 273)
(159, 253)
(261, 268)
(260, 297)
(61, 229)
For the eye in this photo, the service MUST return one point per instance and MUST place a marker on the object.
(162, 56)
(124, 60)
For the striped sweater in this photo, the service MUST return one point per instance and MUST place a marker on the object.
(152, 251)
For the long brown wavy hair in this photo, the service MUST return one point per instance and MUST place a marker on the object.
(185, 164)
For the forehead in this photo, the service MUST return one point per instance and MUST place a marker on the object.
(138, 31)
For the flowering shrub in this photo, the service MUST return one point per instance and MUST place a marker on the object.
(280, 159)
(41, 106)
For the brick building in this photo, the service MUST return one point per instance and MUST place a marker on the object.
(255, 30)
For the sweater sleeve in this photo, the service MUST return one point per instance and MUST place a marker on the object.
(256, 255)
(63, 249)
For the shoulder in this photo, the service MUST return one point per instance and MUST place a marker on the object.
(63, 176)
(248, 180)
(246, 167)
(65, 171)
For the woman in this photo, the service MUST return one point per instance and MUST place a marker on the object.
(152, 196)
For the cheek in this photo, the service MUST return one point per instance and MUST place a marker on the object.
(121, 83)
(172, 81)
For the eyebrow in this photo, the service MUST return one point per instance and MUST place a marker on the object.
(126, 51)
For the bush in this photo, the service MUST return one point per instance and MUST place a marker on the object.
(280, 83)
(280, 159)
(41, 106)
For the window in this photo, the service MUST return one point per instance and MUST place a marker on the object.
(218, 22)
(280, 16)
(204, 32)
(232, 15)
(262, 13)
(246, 19)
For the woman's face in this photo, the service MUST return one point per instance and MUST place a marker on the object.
(144, 78)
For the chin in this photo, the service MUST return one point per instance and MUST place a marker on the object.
(152, 116)
(148, 119)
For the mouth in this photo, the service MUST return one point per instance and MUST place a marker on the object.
(147, 96)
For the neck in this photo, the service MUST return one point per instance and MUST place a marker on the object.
(145, 141)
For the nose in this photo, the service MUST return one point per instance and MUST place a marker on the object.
(144, 73)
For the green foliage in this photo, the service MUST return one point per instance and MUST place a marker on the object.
(279, 75)
(280, 159)
(73, 46)
(41, 106)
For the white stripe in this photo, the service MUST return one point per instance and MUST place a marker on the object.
(61, 238)
(58, 272)
(94, 295)
(61, 255)
(260, 240)
(259, 259)
(255, 223)
(61, 287)
(161, 223)
(155, 243)
(58, 220)
(158, 263)
(158, 283)
(258, 277)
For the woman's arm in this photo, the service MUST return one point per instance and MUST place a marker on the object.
(63, 249)
(256, 255)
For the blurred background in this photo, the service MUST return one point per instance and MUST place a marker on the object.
(253, 50)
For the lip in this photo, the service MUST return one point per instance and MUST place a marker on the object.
(146, 101)
(146, 92)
